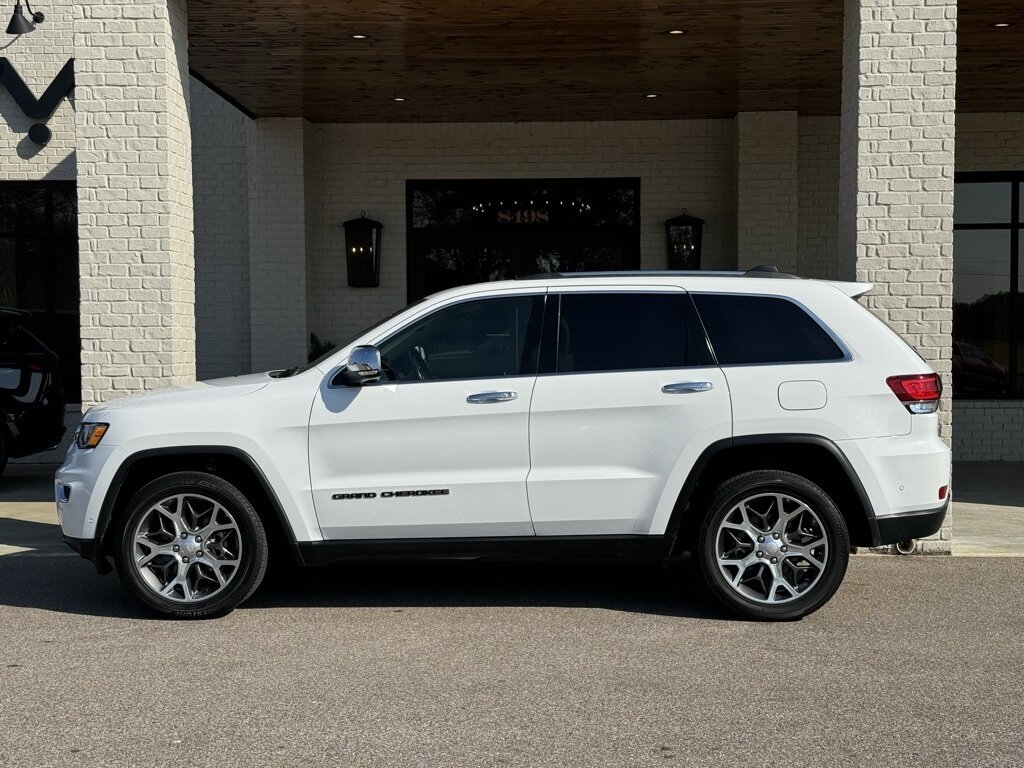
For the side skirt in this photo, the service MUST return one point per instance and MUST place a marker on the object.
(314, 553)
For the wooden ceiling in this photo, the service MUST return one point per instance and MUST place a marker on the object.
(484, 60)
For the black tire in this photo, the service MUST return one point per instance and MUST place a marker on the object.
(252, 563)
(798, 602)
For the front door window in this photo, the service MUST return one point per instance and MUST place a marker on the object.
(476, 339)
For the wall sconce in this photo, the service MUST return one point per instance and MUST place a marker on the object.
(362, 250)
(19, 24)
(684, 234)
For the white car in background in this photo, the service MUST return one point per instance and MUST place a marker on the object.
(765, 425)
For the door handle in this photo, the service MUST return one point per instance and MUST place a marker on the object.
(492, 397)
(687, 386)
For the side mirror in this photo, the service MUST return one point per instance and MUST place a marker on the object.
(363, 367)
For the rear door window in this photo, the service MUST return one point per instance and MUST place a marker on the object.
(755, 330)
(626, 331)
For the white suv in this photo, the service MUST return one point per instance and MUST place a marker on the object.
(765, 425)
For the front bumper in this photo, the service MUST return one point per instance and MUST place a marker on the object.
(892, 529)
(80, 486)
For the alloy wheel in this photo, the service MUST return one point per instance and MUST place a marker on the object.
(187, 547)
(771, 548)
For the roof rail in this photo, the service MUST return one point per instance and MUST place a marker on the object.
(633, 273)
(763, 270)
(769, 270)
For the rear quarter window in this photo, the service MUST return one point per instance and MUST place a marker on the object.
(754, 330)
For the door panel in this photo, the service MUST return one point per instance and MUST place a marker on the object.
(401, 437)
(442, 447)
(610, 448)
(605, 446)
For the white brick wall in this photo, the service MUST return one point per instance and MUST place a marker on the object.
(221, 196)
(38, 57)
(277, 242)
(767, 189)
(896, 172)
(135, 196)
(688, 163)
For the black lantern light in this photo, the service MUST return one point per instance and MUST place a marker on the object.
(362, 249)
(683, 235)
(19, 24)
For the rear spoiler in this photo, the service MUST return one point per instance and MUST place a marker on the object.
(853, 290)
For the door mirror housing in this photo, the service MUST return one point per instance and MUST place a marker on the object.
(363, 367)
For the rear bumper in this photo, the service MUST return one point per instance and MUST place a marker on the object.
(892, 529)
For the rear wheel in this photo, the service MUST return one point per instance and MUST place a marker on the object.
(773, 545)
(191, 546)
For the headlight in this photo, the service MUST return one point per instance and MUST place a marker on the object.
(89, 434)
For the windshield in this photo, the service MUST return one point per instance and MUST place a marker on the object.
(349, 340)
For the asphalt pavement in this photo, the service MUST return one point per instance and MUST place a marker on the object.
(917, 662)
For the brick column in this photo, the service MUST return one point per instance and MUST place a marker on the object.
(896, 173)
(134, 196)
(767, 187)
(277, 243)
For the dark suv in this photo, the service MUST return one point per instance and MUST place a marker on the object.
(31, 396)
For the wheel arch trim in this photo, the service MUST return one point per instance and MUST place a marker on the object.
(117, 482)
(686, 493)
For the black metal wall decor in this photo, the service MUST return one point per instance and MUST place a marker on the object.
(684, 234)
(362, 249)
(43, 107)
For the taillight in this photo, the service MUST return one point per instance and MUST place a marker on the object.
(920, 392)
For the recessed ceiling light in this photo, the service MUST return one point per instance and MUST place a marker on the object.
(1002, 24)
(358, 37)
(677, 31)
(399, 98)
(650, 95)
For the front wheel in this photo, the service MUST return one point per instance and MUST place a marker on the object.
(191, 546)
(773, 546)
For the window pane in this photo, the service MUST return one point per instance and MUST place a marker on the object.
(580, 258)
(625, 331)
(986, 203)
(445, 268)
(1019, 312)
(747, 330)
(39, 267)
(981, 313)
(482, 339)
(22, 208)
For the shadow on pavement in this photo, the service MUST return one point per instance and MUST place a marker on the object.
(621, 585)
(27, 482)
(994, 483)
(31, 535)
(71, 585)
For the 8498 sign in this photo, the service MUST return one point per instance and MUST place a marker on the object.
(523, 216)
